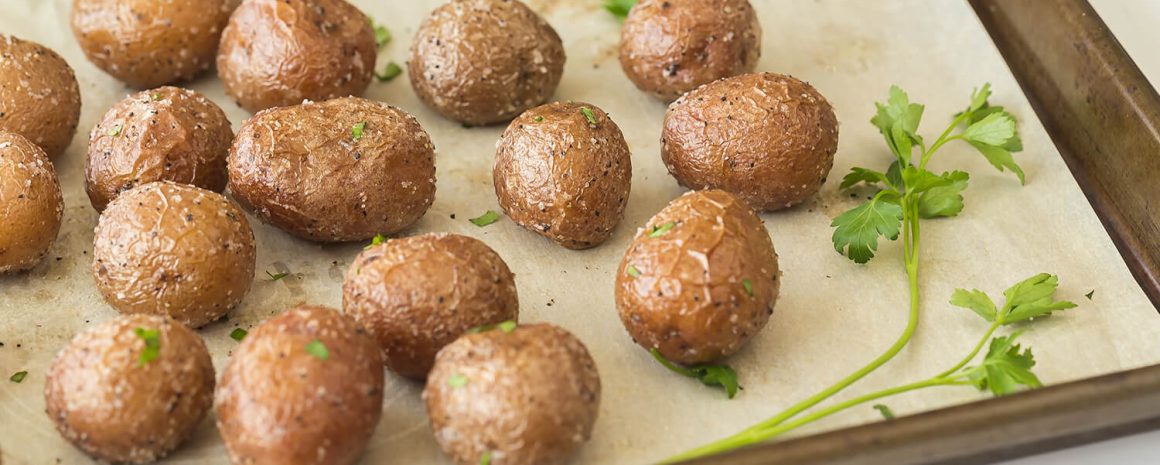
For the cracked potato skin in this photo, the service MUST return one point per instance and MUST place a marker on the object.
(767, 138)
(39, 95)
(689, 300)
(30, 203)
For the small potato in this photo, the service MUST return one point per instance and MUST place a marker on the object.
(277, 53)
(564, 171)
(485, 61)
(150, 43)
(171, 249)
(130, 390)
(39, 96)
(699, 280)
(418, 294)
(335, 171)
(304, 388)
(669, 47)
(528, 396)
(30, 203)
(767, 138)
(165, 134)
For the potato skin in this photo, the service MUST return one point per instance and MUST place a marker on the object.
(164, 134)
(418, 294)
(278, 404)
(562, 177)
(768, 138)
(531, 396)
(483, 62)
(149, 43)
(39, 96)
(670, 47)
(30, 203)
(280, 52)
(171, 249)
(109, 404)
(689, 298)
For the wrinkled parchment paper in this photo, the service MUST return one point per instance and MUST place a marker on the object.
(832, 317)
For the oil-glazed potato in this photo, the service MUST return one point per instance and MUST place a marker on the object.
(30, 203)
(699, 280)
(171, 249)
(39, 96)
(767, 138)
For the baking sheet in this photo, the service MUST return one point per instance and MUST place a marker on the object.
(832, 315)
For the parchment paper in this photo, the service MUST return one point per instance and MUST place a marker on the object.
(832, 317)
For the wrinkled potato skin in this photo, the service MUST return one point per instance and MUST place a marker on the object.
(30, 203)
(300, 169)
(690, 312)
(172, 249)
(531, 398)
(165, 134)
(108, 404)
(767, 138)
(279, 405)
(150, 43)
(418, 294)
(670, 47)
(277, 53)
(39, 96)
(483, 62)
(562, 177)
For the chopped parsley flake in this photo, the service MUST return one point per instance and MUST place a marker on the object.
(318, 350)
(152, 338)
(238, 334)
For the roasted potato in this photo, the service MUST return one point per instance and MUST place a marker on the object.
(334, 171)
(39, 96)
(767, 138)
(418, 294)
(30, 203)
(165, 134)
(669, 47)
(515, 396)
(564, 171)
(277, 53)
(130, 390)
(485, 61)
(304, 388)
(171, 249)
(699, 280)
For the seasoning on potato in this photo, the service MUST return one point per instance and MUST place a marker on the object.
(767, 138)
(150, 43)
(418, 294)
(304, 388)
(280, 52)
(30, 203)
(342, 170)
(165, 134)
(130, 390)
(39, 96)
(699, 280)
(670, 47)
(564, 171)
(483, 62)
(171, 249)
(526, 395)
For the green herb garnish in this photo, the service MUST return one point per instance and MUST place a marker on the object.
(238, 334)
(885, 411)
(389, 73)
(748, 285)
(379, 239)
(276, 276)
(632, 271)
(116, 131)
(457, 380)
(660, 230)
(152, 338)
(591, 117)
(485, 219)
(485, 459)
(709, 375)
(506, 326)
(538, 119)
(382, 34)
(318, 350)
(156, 97)
(620, 8)
(18, 377)
(356, 131)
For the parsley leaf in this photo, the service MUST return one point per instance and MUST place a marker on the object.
(946, 199)
(238, 334)
(885, 411)
(318, 350)
(661, 229)
(276, 276)
(898, 122)
(379, 239)
(709, 375)
(152, 338)
(392, 71)
(506, 326)
(457, 380)
(485, 219)
(632, 271)
(977, 301)
(620, 8)
(356, 131)
(382, 34)
(862, 175)
(856, 231)
(589, 115)
(748, 286)
(485, 459)
(1005, 368)
(18, 377)
(996, 129)
(1031, 298)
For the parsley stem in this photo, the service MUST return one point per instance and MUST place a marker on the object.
(942, 139)
(978, 347)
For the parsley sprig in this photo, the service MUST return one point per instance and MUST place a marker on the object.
(709, 375)
(619, 8)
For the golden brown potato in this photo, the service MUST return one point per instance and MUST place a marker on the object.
(699, 280)
(564, 171)
(417, 294)
(280, 52)
(767, 138)
(165, 134)
(130, 390)
(485, 61)
(304, 388)
(522, 396)
(171, 249)
(30, 203)
(39, 97)
(334, 171)
(669, 47)
(150, 43)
